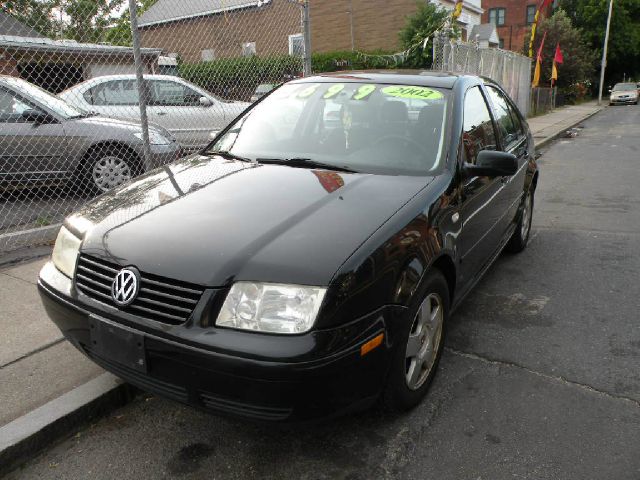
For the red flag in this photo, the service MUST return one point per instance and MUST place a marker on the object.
(558, 58)
(539, 57)
(543, 4)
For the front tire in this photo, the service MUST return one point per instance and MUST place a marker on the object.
(419, 345)
(106, 168)
(520, 237)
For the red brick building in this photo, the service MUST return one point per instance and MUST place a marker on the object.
(513, 19)
(205, 30)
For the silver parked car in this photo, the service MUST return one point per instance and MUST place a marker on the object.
(624, 93)
(44, 140)
(190, 113)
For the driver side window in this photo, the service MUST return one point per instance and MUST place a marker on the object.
(478, 133)
(173, 94)
(12, 107)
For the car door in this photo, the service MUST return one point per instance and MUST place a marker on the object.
(29, 152)
(115, 98)
(513, 139)
(177, 107)
(479, 212)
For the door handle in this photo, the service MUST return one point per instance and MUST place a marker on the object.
(162, 113)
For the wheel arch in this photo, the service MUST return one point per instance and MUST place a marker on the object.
(111, 145)
(445, 265)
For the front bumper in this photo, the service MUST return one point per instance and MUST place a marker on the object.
(337, 381)
(160, 155)
(623, 101)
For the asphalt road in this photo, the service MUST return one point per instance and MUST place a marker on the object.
(540, 379)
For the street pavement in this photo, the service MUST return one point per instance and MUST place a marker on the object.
(540, 378)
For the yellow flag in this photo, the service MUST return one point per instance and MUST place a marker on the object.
(554, 72)
(457, 10)
(533, 35)
(536, 74)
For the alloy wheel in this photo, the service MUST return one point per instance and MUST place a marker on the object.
(424, 341)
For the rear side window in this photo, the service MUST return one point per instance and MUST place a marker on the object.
(506, 118)
(478, 133)
(113, 93)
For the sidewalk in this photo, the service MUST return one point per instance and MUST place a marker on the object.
(546, 128)
(44, 379)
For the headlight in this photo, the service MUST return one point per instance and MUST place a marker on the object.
(65, 252)
(271, 307)
(155, 138)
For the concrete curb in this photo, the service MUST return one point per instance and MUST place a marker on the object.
(34, 236)
(26, 436)
(547, 140)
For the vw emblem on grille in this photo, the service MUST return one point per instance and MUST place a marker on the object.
(125, 286)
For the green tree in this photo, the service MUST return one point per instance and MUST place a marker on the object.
(37, 14)
(623, 54)
(120, 31)
(579, 60)
(88, 20)
(424, 23)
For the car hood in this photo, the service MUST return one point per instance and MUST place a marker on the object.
(101, 121)
(212, 221)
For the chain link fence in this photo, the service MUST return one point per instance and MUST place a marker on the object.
(511, 70)
(543, 100)
(95, 93)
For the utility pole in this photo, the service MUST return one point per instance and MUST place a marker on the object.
(306, 25)
(604, 52)
(142, 86)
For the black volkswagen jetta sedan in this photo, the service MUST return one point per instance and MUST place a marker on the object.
(306, 263)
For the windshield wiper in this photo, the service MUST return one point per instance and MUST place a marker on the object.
(230, 156)
(305, 163)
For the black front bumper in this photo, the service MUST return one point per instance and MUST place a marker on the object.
(339, 381)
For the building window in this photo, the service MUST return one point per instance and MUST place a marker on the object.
(248, 49)
(531, 14)
(496, 16)
(501, 43)
(296, 45)
(208, 55)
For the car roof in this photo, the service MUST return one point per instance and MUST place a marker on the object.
(427, 78)
(132, 76)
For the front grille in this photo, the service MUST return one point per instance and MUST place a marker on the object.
(160, 299)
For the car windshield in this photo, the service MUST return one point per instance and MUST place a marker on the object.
(624, 87)
(264, 88)
(372, 128)
(43, 97)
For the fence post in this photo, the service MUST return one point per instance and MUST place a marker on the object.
(306, 24)
(142, 86)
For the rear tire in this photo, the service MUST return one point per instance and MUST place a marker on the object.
(520, 237)
(419, 345)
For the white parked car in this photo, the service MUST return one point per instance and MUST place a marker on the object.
(190, 113)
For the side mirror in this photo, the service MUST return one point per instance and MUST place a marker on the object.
(37, 116)
(205, 102)
(492, 163)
